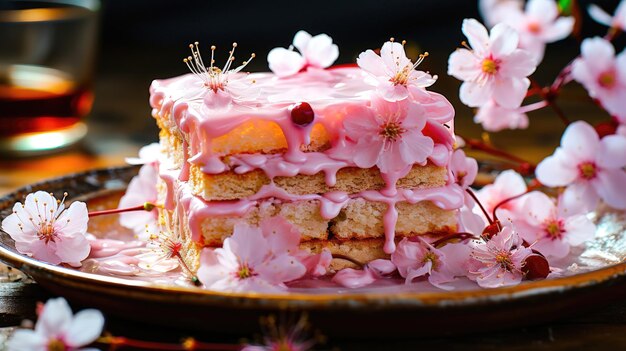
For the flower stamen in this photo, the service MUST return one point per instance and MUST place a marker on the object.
(587, 170)
(489, 66)
(503, 258)
(56, 345)
(391, 131)
(213, 77)
(554, 229)
(607, 79)
(430, 256)
(245, 272)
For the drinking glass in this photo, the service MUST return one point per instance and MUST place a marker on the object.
(47, 50)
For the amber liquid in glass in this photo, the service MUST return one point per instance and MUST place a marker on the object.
(36, 99)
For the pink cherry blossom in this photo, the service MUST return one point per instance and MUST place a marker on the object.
(551, 229)
(603, 75)
(493, 11)
(495, 118)
(494, 68)
(388, 135)
(471, 220)
(506, 185)
(43, 228)
(437, 107)
(218, 87)
(317, 264)
(252, 259)
(618, 20)
(498, 262)
(371, 272)
(163, 254)
(393, 73)
(141, 189)
(318, 52)
(621, 130)
(537, 25)
(417, 258)
(463, 168)
(58, 329)
(147, 154)
(284, 237)
(285, 336)
(590, 168)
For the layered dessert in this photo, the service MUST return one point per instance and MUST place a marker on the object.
(353, 161)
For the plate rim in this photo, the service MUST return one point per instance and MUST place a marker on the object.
(475, 297)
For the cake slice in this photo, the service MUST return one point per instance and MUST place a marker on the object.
(352, 171)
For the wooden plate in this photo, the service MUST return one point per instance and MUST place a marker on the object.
(377, 312)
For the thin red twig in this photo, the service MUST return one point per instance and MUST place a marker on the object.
(473, 195)
(145, 207)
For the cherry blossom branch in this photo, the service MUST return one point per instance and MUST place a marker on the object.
(533, 186)
(117, 342)
(533, 107)
(473, 195)
(533, 91)
(559, 112)
(145, 207)
(549, 94)
(476, 144)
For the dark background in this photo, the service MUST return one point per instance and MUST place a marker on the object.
(142, 40)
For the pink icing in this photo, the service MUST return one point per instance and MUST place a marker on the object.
(333, 94)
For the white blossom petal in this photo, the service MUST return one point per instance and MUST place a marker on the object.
(85, 328)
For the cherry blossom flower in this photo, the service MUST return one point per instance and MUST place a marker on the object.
(284, 336)
(493, 11)
(590, 168)
(147, 154)
(498, 262)
(318, 51)
(141, 189)
(388, 135)
(164, 253)
(603, 75)
(284, 237)
(506, 185)
(618, 20)
(495, 118)
(493, 68)
(417, 258)
(220, 87)
(463, 168)
(437, 107)
(371, 272)
(58, 329)
(393, 73)
(471, 220)
(252, 260)
(43, 228)
(537, 25)
(552, 229)
(317, 264)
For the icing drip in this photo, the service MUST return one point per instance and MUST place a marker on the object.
(278, 166)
